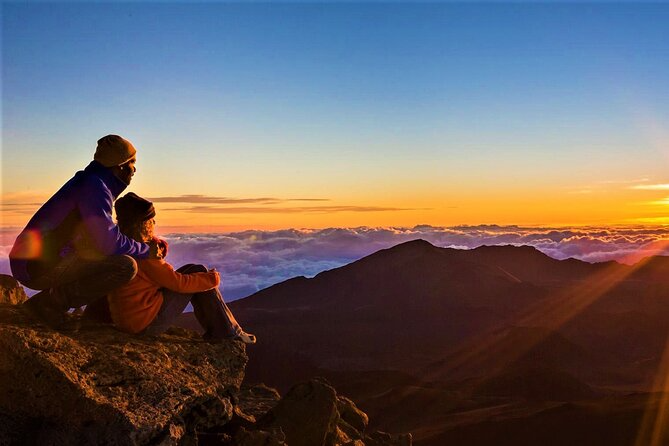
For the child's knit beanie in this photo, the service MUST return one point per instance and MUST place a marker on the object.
(131, 207)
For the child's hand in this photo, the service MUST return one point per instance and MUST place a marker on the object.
(162, 244)
(157, 249)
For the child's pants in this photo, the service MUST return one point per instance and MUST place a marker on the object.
(210, 310)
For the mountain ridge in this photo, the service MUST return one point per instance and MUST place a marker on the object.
(459, 325)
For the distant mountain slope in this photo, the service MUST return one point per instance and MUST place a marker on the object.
(430, 339)
(394, 309)
(408, 306)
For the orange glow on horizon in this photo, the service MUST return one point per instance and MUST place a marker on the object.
(405, 205)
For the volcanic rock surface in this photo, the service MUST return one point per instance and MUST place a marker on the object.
(95, 384)
(90, 384)
(11, 291)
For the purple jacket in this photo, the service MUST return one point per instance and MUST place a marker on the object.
(75, 219)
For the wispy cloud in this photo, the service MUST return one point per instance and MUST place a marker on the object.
(650, 187)
(193, 199)
(639, 180)
(662, 202)
(263, 205)
(287, 210)
(604, 185)
(20, 203)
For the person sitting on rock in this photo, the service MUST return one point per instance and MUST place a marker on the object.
(71, 249)
(158, 294)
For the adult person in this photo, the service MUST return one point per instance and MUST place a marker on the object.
(71, 249)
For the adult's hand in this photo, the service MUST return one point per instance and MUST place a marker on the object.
(156, 251)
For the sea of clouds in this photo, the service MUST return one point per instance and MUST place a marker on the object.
(252, 260)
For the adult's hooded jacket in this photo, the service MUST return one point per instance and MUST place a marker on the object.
(75, 220)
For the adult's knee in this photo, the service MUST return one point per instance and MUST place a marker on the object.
(126, 268)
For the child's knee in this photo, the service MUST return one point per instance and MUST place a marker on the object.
(193, 268)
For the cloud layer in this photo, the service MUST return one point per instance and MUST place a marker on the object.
(252, 260)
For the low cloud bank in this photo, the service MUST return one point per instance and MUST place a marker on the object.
(252, 260)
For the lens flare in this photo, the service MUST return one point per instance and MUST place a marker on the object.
(28, 245)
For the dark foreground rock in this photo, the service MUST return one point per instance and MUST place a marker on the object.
(312, 413)
(96, 385)
(90, 384)
(11, 292)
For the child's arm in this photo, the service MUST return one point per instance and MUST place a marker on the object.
(164, 275)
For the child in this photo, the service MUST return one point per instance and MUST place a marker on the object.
(158, 294)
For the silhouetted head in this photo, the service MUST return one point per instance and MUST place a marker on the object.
(119, 155)
(135, 217)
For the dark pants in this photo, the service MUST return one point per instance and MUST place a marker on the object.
(210, 310)
(76, 282)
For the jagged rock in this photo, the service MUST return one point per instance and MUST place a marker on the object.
(244, 437)
(384, 439)
(350, 413)
(257, 400)
(311, 414)
(307, 414)
(11, 291)
(96, 385)
(346, 433)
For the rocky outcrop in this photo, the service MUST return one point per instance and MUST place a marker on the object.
(312, 413)
(11, 292)
(91, 384)
(96, 385)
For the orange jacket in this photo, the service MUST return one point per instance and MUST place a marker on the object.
(136, 304)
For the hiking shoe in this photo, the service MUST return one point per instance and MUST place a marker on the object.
(246, 338)
(45, 307)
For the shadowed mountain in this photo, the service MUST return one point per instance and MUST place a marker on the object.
(536, 383)
(431, 340)
(394, 309)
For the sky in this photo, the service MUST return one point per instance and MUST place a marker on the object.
(259, 116)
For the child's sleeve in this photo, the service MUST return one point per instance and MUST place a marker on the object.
(165, 276)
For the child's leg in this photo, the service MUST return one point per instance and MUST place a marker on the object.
(214, 315)
(173, 305)
(211, 311)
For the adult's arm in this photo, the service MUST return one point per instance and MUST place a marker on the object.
(162, 273)
(95, 207)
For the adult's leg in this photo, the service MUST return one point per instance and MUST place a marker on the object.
(84, 281)
(98, 311)
(75, 282)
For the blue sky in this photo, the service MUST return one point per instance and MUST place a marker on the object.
(350, 102)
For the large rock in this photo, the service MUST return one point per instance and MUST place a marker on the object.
(312, 414)
(96, 385)
(11, 291)
(307, 414)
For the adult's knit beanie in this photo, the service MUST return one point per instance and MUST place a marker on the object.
(113, 150)
(131, 208)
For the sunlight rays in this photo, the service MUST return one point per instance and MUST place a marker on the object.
(653, 429)
(490, 351)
